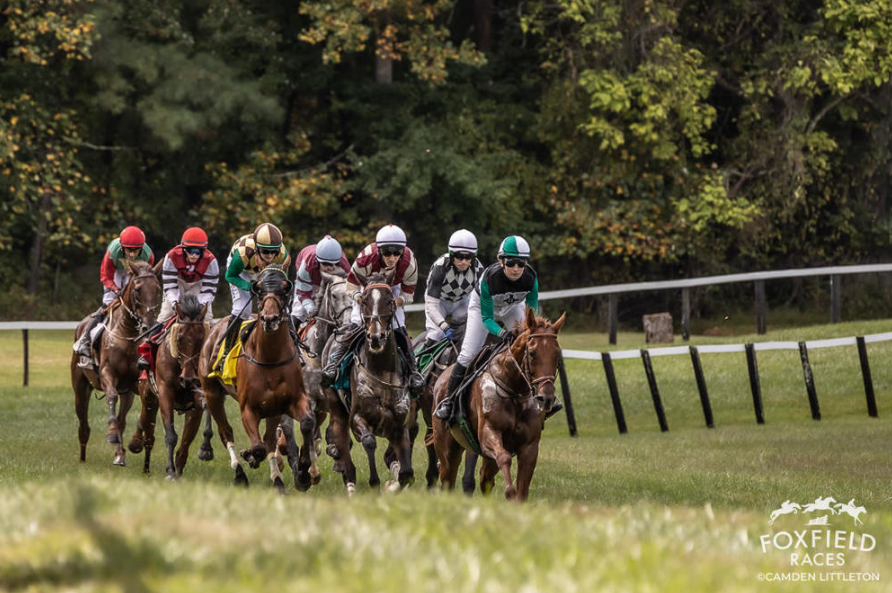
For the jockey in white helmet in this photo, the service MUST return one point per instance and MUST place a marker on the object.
(324, 256)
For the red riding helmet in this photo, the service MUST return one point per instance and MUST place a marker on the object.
(132, 237)
(194, 237)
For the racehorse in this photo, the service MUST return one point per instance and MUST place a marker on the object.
(114, 371)
(424, 404)
(175, 386)
(269, 384)
(333, 313)
(508, 401)
(377, 402)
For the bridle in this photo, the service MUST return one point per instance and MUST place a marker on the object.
(327, 300)
(376, 318)
(137, 303)
(173, 343)
(525, 370)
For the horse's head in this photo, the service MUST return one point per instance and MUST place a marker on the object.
(274, 292)
(377, 309)
(336, 302)
(539, 352)
(142, 295)
(187, 336)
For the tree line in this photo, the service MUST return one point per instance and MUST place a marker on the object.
(626, 139)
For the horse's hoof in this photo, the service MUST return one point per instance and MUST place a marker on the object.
(206, 454)
(351, 489)
(510, 493)
(406, 479)
(112, 438)
(119, 460)
(318, 446)
(171, 477)
(332, 451)
(392, 486)
(302, 481)
(339, 467)
(279, 485)
(136, 444)
(315, 478)
(240, 478)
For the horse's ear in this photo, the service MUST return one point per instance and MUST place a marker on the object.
(560, 322)
(204, 311)
(531, 318)
(179, 311)
(132, 267)
(156, 269)
(520, 343)
(388, 278)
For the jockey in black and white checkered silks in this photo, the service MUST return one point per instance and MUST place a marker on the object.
(450, 282)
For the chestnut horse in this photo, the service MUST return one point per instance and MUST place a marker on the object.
(508, 401)
(269, 384)
(114, 370)
(175, 386)
(378, 400)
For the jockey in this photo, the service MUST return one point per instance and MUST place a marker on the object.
(497, 307)
(114, 274)
(450, 283)
(247, 258)
(324, 256)
(388, 253)
(188, 268)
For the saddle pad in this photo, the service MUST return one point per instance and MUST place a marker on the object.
(229, 365)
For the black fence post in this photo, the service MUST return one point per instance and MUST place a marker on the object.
(685, 314)
(755, 387)
(868, 381)
(835, 298)
(701, 387)
(25, 340)
(614, 393)
(568, 402)
(654, 390)
(809, 382)
(612, 317)
(761, 325)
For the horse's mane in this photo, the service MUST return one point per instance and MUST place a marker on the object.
(540, 322)
(142, 267)
(377, 278)
(190, 307)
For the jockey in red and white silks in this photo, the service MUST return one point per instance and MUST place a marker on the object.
(189, 268)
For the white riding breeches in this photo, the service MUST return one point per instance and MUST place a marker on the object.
(121, 279)
(476, 332)
(194, 288)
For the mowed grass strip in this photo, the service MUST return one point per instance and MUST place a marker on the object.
(608, 511)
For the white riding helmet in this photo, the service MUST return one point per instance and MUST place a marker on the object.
(463, 240)
(390, 235)
(514, 246)
(328, 250)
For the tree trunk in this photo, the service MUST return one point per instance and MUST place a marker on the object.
(483, 25)
(37, 244)
(384, 55)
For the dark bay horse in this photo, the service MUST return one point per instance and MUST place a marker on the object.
(377, 403)
(175, 386)
(269, 384)
(114, 370)
(508, 401)
(333, 313)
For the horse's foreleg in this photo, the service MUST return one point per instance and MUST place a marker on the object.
(108, 382)
(491, 443)
(214, 398)
(317, 436)
(369, 443)
(287, 424)
(256, 454)
(190, 429)
(144, 437)
(206, 451)
(338, 437)
(165, 404)
(526, 465)
(432, 473)
(448, 454)
(467, 479)
(273, 458)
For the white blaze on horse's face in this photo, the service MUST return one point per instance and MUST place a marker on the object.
(377, 327)
(270, 315)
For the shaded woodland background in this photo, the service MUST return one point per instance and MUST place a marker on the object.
(627, 140)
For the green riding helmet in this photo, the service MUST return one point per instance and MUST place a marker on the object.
(514, 246)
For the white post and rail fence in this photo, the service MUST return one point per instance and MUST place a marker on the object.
(758, 279)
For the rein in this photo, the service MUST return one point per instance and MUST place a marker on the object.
(525, 371)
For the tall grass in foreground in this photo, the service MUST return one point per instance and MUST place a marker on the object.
(645, 511)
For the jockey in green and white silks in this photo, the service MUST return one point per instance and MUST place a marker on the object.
(497, 307)
(450, 282)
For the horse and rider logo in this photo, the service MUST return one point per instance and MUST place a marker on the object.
(820, 504)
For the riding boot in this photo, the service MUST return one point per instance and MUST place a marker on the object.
(83, 345)
(416, 381)
(229, 341)
(148, 348)
(336, 355)
(556, 407)
(448, 408)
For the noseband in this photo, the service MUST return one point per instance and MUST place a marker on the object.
(373, 318)
(137, 304)
(526, 372)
